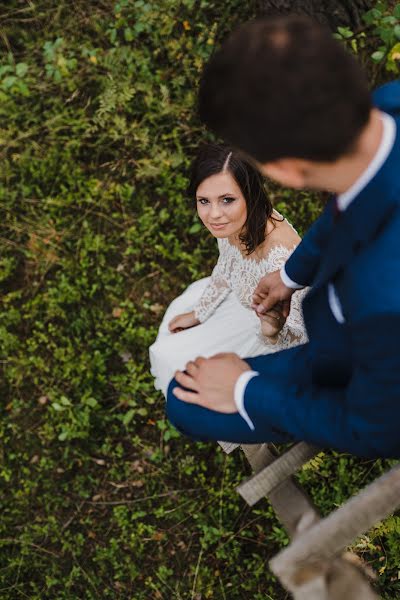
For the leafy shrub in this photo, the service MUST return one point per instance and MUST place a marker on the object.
(383, 46)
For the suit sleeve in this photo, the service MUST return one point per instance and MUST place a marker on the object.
(302, 265)
(361, 417)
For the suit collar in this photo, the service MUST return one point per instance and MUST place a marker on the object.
(363, 218)
(385, 147)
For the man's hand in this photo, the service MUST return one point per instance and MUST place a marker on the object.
(212, 381)
(272, 291)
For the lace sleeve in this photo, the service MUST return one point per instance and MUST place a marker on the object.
(216, 291)
(293, 332)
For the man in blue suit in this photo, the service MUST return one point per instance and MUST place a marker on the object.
(289, 96)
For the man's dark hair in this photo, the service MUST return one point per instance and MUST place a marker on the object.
(283, 87)
(218, 158)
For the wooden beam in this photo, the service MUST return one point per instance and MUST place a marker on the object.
(263, 482)
(292, 505)
(327, 539)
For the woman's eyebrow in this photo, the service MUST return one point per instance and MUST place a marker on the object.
(221, 196)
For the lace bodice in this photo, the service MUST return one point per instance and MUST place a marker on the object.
(240, 275)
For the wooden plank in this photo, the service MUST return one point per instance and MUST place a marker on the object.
(336, 580)
(264, 481)
(228, 447)
(292, 505)
(329, 537)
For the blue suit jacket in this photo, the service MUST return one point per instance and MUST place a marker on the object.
(342, 389)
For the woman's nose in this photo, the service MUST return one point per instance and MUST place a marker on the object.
(216, 211)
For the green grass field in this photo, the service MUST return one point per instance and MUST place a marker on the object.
(100, 497)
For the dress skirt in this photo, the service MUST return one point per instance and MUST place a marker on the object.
(231, 328)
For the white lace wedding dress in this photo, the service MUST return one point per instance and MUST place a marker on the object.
(227, 323)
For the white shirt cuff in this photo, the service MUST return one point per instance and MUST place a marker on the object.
(240, 387)
(289, 282)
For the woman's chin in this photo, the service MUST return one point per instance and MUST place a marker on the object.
(220, 232)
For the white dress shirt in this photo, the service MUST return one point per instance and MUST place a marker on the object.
(343, 201)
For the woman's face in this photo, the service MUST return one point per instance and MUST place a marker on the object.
(221, 205)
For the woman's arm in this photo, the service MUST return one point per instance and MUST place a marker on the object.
(293, 331)
(277, 329)
(214, 294)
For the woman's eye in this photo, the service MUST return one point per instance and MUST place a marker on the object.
(228, 199)
(202, 201)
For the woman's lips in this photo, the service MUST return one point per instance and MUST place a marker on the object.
(218, 225)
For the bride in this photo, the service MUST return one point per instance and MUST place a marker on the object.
(214, 314)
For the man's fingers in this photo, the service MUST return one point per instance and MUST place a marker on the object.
(256, 301)
(186, 381)
(187, 396)
(266, 304)
(273, 302)
(191, 368)
(224, 355)
(258, 296)
(199, 361)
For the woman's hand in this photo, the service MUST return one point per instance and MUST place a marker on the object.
(184, 321)
(271, 323)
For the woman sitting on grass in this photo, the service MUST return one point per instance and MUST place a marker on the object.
(214, 314)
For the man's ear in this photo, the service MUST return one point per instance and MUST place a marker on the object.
(289, 172)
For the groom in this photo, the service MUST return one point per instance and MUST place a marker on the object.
(289, 96)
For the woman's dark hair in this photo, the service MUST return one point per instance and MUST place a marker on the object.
(217, 158)
(284, 88)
